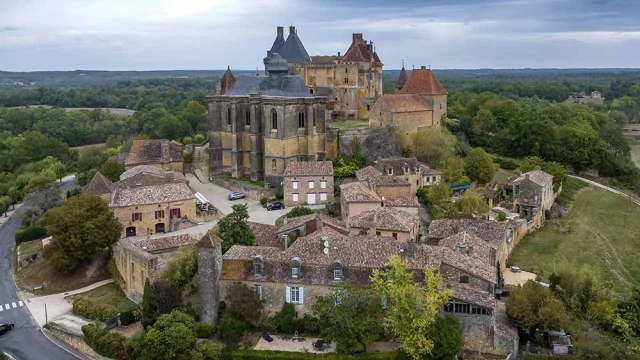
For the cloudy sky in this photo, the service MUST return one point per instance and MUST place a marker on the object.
(211, 34)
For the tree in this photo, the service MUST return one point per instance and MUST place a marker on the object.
(42, 193)
(299, 211)
(55, 166)
(412, 306)
(172, 128)
(479, 166)
(15, 195)
(81, 228)
(147, 309)
(245, 302)
(438, 199)
(533, 306)
(182, 269)
(351, 317)
(112, 170)
(171, 337)
(3, 208)
(447, 338)
(555, 169)
(434, 146)
(233, 228)
(454, 170)
(471, 203)
(198, 138)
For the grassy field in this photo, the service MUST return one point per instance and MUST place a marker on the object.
(601, 231)
(109, 294)
(348, 124)
(30, 248)
(503, 176)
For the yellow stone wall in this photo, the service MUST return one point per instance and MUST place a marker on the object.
(148, 223)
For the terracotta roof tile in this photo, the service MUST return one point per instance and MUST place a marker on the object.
(164, 243)
(402, 103)
(384, 218)
(358, 52)
(153, 194)
(423, 81)
(309, 168)
(266, 235)
(401, 201)
(367, 172)
(227, 81)
(402, 78)
(493, 232)
(358, 192)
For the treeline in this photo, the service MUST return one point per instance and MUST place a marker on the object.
(573, 135)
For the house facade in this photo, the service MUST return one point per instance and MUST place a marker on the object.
(308, 182)
(412, 171)
(260, 123)
(533, 194)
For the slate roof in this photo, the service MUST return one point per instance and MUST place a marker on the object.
(492, 232)
(404, 103)
(274, 85)
(209, 240)
(402, 78)
(293, 50)
(154, 151)
(397, 164)
(325, 59)
(358, 192)
(100, 185)
(164, 243)
(384, 218)
(278, 42)
(153, 194)
(266, 235)
(422, 81)
(309, 168)
(539, 177)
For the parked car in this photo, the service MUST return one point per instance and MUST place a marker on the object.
(4, 328)
(276, 205)
(236, 196)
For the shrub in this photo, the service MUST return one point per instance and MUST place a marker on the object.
(128, 317)
(547, 214)
(187, 158)
(30, 233)
(283, 320)
(90, 310)
(198, 138)
(299, 211)
(505, 163)
(105, 343)
(115, 273)
(210, 351)
(264, 202)
(231, 327)
(502, 217)
(281, 355)
(204, 330)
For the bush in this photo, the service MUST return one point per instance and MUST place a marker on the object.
(198, 139)
(281, 355)
(30, 233)
(105, 343)
(299, 211)
(502, 217)
(231, 327)
(210, 351)
(264, 202)
(547, 214)
(128, 317)
(283, 320)
(204, 330)
(505, 163)
(90, 310)
(115, 274)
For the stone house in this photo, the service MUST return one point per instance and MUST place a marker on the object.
(420, 103)
(351, 82)
(309, 182)
(145, 258)
(260, 123)
(385, 221)
(163, 154)
(356, 197)
(417, 174)
(533, 193)
(100, 185)
(407, 203)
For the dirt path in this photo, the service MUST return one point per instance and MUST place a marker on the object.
(590, 182)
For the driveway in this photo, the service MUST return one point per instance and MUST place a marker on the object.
(217, 195)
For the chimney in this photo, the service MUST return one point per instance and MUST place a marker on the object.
(526, 176)
(357, 38)
(338, 53)
(423, 67)
(285, 241)
(319, 225)
(292, 29)
(280, 30)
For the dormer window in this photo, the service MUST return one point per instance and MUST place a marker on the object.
(258, 265)
(390, 171)
(417, 170)
(337, 270)
(406, 169)
(464, 279)
(295, 267)
(295, 271)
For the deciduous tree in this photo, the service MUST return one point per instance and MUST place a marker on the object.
(479, 166)
(182, 269)
(446, 335)
(171, 338)
(534, 306)
(471, 203)
(112, 170)
(434, 146)
(233, 228)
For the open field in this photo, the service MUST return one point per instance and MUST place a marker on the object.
(348, 124)
(109, 294)
(601, 231)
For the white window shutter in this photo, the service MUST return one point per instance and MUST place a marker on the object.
(287, 296)
(301, 296)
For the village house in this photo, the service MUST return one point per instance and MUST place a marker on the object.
(356, 197)
(533, 194)
(163, 154)
(385, 221)
(350, 82)
(145, 258)
(417, 174)
(420, 102)
(308, 182)
(100, 185)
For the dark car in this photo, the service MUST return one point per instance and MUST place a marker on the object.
(235, 196)
(276, 205)
(4, 328)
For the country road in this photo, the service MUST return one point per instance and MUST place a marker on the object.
(26, 341)
(615, 191)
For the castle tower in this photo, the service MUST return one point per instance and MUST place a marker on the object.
(209, 271)
(275, 48)
(402, 78)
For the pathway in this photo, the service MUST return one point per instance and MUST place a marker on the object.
(615, 191)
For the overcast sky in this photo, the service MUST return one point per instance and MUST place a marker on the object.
(211, 34)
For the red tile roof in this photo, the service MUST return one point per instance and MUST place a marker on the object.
(537, 176)
(266, 235)
(309, 168)
(100, 185)
(423, 81)
(358, 192)
(384, 218)
(358, 53)
(402, 103)
(154, 151)
(227, 81)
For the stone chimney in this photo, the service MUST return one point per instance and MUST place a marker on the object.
(285, 241)
(338, 53)
(292, 29)
(423, 67)
(357, 38)
(280, 30)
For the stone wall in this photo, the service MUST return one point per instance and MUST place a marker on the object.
(147, 226)
(209, 271)
(489, 334)
(451, 274)
(73, 340)
(346, 137)
(250, 192)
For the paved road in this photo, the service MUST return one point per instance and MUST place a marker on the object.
(26, 341)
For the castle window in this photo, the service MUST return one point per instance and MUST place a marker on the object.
(464, 279)
(314, 118)
(346, 71)
(390, 171)
(368, 107)
(247, 117)
(274, 165)
(346, 81)
(274, 119)
(440, 106)
(311, 91)
(229, 116)
(301, 121)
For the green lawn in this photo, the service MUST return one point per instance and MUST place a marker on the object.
(503, 176)
(30, 248)
(348, 124)
(109, 294)
(601, 232)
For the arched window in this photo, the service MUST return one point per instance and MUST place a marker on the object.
(274, 165)
(229, 115)
(295, 268)
(258, 265)
(274, 119)
(301, 121)
(247, 117)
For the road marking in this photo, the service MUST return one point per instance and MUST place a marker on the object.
(14, 305)
(20, 303)
(7, 306)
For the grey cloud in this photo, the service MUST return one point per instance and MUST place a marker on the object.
(9, 28)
